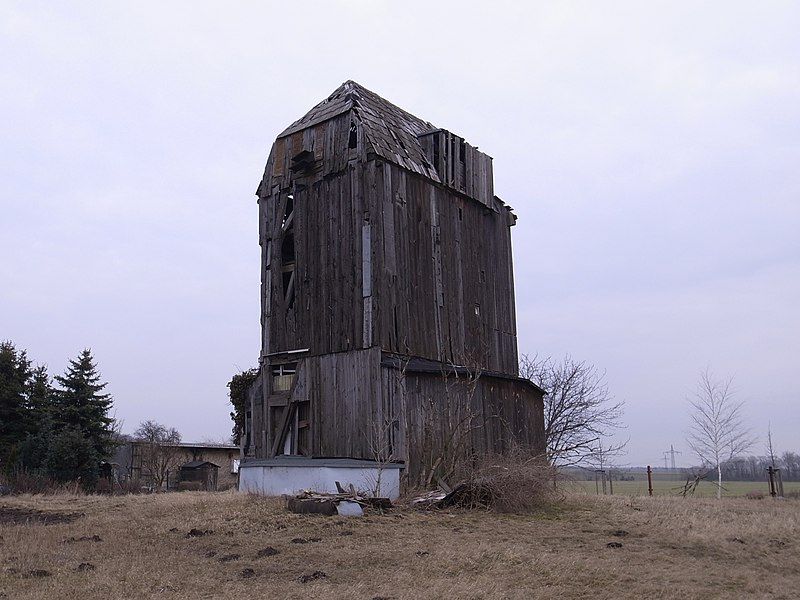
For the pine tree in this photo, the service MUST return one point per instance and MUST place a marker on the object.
(80, 404)
(38, 402)
(15, 373)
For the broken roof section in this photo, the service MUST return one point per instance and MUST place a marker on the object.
(397, 136)
(391, 132)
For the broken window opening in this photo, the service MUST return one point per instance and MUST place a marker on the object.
(436, 152)
(288, 256)
(288, 212)
(302, 162)
(287, 249)
(352, 142)
(283, 377)
(303, 428)
(268, 254)
(477, 310)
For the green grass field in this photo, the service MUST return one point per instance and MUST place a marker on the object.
(675, 487)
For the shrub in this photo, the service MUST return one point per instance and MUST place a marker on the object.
(516, 482)
(26, 482)
(71, 457)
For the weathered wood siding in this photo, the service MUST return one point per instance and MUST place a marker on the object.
(357, 405)
(446, 286)
(438, 281)
(433, 410)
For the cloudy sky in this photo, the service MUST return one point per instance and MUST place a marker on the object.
(650, 150)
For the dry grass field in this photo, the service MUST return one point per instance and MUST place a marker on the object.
(706, 489)
(93, 548)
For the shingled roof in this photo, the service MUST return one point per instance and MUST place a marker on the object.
(391, 132)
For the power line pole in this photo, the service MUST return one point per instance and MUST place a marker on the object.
(671, 453)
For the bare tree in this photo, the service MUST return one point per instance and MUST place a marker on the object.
(160, 450)
(717, 433)
(600, 457)
(579, 411)
(770, 448)
(382, 450)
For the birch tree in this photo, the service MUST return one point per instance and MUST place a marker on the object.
(717, 433)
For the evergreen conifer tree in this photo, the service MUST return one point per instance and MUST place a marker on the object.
(15, 373)
(39, 398)
(80, 404)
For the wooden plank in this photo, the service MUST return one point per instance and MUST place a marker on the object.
(367, 285)
(288, 414)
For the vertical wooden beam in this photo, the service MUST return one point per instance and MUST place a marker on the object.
(366, 282)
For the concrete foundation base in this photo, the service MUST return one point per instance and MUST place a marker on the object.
(293, 474)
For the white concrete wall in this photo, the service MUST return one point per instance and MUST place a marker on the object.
(278, 480)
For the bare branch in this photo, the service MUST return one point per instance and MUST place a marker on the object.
(579, 411)
(160, 451)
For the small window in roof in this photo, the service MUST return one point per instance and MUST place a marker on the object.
(353, 141)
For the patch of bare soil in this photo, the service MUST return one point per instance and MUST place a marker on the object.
(26, 516)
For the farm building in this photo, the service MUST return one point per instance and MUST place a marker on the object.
(387, 296)
(135, 459)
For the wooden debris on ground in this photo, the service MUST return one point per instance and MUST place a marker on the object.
(429, 499)
(467, 494)
(345, 503)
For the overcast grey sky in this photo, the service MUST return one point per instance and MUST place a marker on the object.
(651, 151)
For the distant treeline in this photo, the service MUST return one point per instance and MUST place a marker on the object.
(745, 468)
(754, 468)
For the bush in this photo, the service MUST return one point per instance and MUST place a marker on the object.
(49, 459)
(517, 482)
(71, 457)
(25, 482)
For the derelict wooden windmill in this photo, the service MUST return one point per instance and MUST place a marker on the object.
(387, 294)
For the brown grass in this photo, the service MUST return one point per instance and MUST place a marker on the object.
(138, 547)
